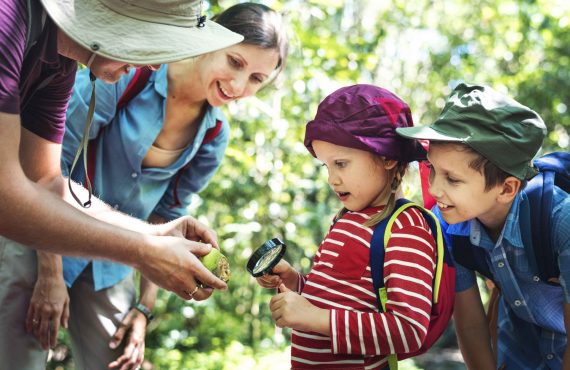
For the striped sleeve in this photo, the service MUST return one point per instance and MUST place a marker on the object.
(409, 268)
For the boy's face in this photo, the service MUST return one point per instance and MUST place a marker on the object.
(356, 176)
(459, 189)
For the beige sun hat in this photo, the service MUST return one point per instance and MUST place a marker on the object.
(140, 31)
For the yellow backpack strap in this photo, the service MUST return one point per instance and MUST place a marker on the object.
(438, 241)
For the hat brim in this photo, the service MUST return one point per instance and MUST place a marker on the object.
(133, 41)
(425, 133)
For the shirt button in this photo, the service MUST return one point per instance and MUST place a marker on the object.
(134, 175)
(517, 302)
(501, 264)
(536, 279)
(549, 356)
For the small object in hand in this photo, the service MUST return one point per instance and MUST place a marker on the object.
(264, 259)
(218, 264)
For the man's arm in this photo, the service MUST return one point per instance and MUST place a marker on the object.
(472, 330)
(35, 216)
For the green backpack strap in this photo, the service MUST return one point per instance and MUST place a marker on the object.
(383, 231)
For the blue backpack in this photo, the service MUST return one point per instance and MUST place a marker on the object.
(536, 223)
(443, 282)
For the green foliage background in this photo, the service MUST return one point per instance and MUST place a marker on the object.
(269, 186)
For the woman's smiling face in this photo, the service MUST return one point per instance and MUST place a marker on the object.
(235, 72)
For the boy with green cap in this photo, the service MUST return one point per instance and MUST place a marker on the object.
(481, 151)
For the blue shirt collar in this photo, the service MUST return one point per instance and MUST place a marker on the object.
(511, 230)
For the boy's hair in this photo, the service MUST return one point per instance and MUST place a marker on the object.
(502, 130)
(492, 173)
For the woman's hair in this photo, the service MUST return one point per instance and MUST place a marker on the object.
(260, 26)
(397, 173)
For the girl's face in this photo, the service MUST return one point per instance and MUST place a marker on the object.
(459, 189)
(358, 177)
(235, 72)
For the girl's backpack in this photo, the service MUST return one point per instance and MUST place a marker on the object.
(443, 282)
(536, 223)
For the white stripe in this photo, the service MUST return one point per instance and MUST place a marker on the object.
(336, 292)
(413, 237)
(305, 361)
(418, 341)
(402, 335)
(366, 279)
(387, 332)
(360, 226)
(311, 336)
(326, 301)
(347, 333)
(408, 279)
(410, 294)
(411, 250)
(408, 306)
(363, 215)
(332, 241)
(376, 364)
(359, 288)
(340, 231)
(398, 223)
(329, 265)
(312, 350)
(410, 264)
(411, 321)
(409, 219)
(333, 331)
(360, 336)
(326, 251)
(374, 336)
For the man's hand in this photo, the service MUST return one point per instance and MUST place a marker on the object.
(132, 330)
(291, 310)
(173, 264)
(189, 228)
(49, 308)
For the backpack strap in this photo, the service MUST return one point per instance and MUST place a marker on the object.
(470, 256)
(34, 28)
(380, 237)
(540, 192)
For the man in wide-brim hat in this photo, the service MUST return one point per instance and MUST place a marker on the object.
(40, 43)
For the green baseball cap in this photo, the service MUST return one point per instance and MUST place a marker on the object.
(500, 129)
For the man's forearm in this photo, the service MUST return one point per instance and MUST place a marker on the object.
(102, 211)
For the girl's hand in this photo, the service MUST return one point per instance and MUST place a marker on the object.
(282, 273)
(291, 310)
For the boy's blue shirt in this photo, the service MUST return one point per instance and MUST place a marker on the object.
(120, 179)
(530, 299)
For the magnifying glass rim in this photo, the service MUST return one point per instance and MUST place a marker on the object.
(260, 252)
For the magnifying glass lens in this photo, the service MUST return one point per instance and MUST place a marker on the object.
(266, 257)
(265, 261)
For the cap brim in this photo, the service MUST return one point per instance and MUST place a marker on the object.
(134, 41)
(425, 133)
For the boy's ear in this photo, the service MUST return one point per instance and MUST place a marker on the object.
(510, 189)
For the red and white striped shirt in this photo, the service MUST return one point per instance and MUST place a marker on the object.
(340, 280)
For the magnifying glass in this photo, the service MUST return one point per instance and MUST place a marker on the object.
(264, 259)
